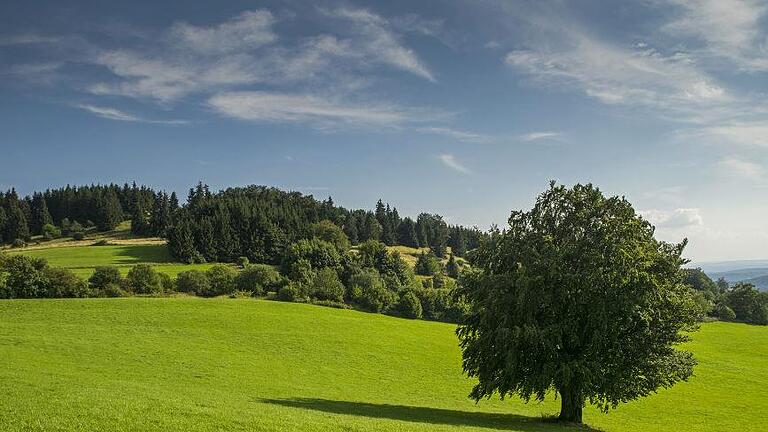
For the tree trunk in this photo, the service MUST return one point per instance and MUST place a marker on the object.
(571, 405)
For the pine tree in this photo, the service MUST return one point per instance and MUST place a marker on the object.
(406, 233)
(173, 202)
(3, 221)
(40, 214)
(161, 215)
(452, 267)
(109, 213)
(140, 218)
(16, 224)
(372, 228)
(350, 228)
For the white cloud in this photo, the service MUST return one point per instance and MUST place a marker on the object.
(459, 135)
(753, 133)
(247, 31)
(451, 162)
(620, 75)
(674, 219)
(116, 114)
(740, 168)
(26, 39)
(729, 29)
(289, 108)
(244, 51)
(544, 135)
(377, 41)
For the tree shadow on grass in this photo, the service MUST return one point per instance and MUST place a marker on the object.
(437, 416)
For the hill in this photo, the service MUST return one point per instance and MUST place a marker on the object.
(190, 364)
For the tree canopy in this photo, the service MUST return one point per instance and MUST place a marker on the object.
(576, 296)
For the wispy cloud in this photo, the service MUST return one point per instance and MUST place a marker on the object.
(247, 31)
(620, 75)
(746, 133)
(26, 39)
(377, 40)
(544, 135)
(740, 168)
(674, 219)
(451, 162)
(116, 114)
(302, 108)
(457, 134)
(733, 30)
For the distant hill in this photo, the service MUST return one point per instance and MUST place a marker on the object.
(750, 271)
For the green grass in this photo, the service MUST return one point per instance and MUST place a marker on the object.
(189, 364)
(83, 259)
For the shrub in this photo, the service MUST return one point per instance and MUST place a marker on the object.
(167, 283)
(18, 243)
(440, 305)
(725, 313)
(103, 276)
(327, 286)
(370, 292)
(61, 282)
(241, 294)
(193, 282)
(51, 232)
(142, 279)
(333, 304)
(427, 283)
(78, 235)
(318, 253)
(23, 276)
(113, 290)
(301, 272)
(428, 265)
(222, 279)
(258, 278)
(328, 231)
(410, 305)
(242, 262)
(289, 293)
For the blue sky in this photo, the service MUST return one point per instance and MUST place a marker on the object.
(464, 108)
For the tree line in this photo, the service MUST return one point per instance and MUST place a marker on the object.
(259, 223)
(738, 302)
(256, 222)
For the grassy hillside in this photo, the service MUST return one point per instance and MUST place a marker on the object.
(83, 259)
(191, 364)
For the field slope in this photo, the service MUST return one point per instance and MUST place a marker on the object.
(189, 364)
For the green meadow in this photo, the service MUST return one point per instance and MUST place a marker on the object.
(191, 364)
(83, 259)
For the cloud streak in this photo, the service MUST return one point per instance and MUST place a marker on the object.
(302, 108)
(118, 115)
(451, 162)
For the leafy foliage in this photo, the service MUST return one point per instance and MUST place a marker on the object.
(576, 296)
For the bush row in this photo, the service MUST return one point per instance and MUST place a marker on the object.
(345, 287)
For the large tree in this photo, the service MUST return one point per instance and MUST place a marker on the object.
(576, 296)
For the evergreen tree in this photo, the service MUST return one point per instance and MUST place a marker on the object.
(452, 267)
(406, 233)
(40, 214)
(3, 221)
(108, 212)
(173, 204)
(372, 228)
(16, 224)
(350, 228)
(161, 215)
(140, 218)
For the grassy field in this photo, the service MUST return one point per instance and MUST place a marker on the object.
(189, 364)
(82, 259)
